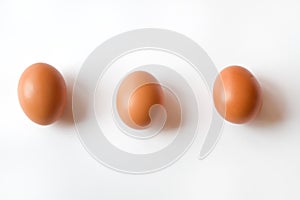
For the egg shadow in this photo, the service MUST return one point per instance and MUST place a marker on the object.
(173, 110)
(67, 117)
(273, 107)
(80, 101)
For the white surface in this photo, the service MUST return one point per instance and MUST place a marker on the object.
(256, 161)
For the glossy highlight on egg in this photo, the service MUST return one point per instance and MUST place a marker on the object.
(42, 93)
(237, 95)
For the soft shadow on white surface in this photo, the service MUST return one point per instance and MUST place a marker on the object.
(80, 102)
(173, 112)
(67, 117)
(273, 110)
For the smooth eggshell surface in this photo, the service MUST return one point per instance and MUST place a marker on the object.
(137, 93)
(237, 95)
(42, 93)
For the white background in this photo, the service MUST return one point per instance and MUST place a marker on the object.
(260, 160)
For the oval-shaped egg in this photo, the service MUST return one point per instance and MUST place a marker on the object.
(237, 95)
(42, 93)
(137, 93)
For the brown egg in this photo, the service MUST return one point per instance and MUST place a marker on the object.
(137, 93)
(237, 95)
(42, 93)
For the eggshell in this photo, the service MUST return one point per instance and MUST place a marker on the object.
(137, 93)
(42, 93)
(237, 95)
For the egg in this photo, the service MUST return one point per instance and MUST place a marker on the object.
(42, 93)
(237, 95)
(136, 94)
